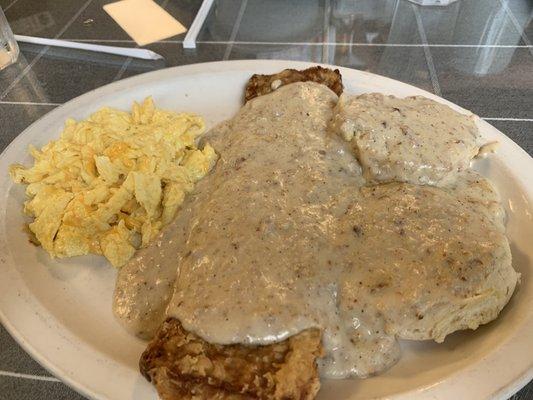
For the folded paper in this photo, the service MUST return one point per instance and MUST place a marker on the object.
(144, 20)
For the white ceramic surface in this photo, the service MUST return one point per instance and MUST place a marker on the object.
(60, 310)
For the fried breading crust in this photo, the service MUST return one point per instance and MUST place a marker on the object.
(259, 85)
(183, 366)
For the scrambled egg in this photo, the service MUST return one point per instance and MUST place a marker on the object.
(111, 182)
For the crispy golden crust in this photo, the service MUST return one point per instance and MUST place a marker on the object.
(183, 366)
(259, 85)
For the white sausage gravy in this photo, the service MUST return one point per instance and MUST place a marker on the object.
(285, 235)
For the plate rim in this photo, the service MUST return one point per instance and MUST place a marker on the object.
(123, 85)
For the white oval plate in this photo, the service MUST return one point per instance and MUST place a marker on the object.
(60, 310)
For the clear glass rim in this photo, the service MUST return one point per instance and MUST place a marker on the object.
(8, 39)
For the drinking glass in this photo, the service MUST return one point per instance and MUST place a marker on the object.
(9, 50)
